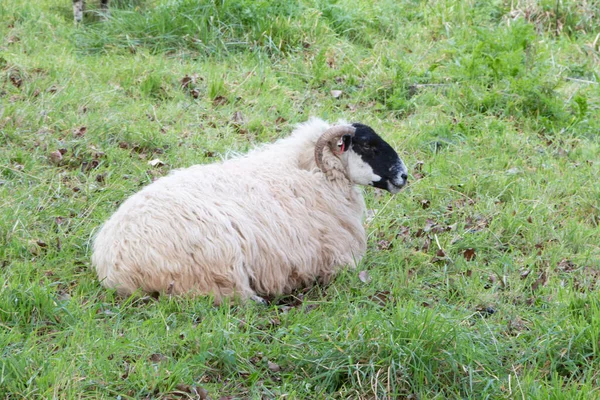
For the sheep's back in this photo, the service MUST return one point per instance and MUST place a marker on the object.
(223, 229)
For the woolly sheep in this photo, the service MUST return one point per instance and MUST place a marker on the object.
(279, 218)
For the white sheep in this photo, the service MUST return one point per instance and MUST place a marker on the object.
(274, 220)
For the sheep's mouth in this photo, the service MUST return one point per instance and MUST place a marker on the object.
(394, 188)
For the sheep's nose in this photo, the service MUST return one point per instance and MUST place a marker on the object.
(404, 177)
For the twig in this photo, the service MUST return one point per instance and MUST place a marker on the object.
(581, 81)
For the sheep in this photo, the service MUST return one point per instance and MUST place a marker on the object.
(279, 218)
(79, 7)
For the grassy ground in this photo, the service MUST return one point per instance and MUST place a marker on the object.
(483, 275)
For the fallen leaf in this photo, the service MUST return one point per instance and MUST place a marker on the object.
(566, 265)
(384, 245)
(56, 157)
(525, 273)
(364, 276)
(280, 120)
(403, 231)
(425, 204)
(79, 132)
(36, 246)
(541, 281)
(336, 94)
(156, 163)
(220, 100)
(440, 253)
(382, 297)
(469, 254)
(186, 81)
(273, 367)
(157, 358)
(88, 166)
(197, 392)
(238, 118)
(15, 79)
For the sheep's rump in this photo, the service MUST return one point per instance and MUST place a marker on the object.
(230, 229)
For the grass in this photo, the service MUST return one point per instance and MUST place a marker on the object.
(483, 274)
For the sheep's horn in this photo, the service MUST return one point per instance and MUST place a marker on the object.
(334, 132)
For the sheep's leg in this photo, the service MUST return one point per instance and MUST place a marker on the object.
(78, 7)
(104, 14)
(258, 299)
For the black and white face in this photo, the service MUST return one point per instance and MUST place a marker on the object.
(371, 161)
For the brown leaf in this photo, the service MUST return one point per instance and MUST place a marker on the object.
(238, 118)
(417, 175)
(195, 93)
(364, 276)
(476, 224)
(516, 325)
(336, 93)
(469, 254)
(566, 265)
(384, 245)
(541, 281)
(220, 100)
(529, 219)
(55, 157)
(88, 166)
(15, 79)
(186, 81)
(403, 231)
(196, 392)
(440, 253)
(525, 273)
(157, 358)
(382, 297)
(280, 120)
(273, 367)
(425, 204)
(79, 132)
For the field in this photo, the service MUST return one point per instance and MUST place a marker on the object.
(482, 277)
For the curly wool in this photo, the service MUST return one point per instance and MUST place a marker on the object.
(260, 224)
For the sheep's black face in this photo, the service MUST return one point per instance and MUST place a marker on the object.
(371, 161)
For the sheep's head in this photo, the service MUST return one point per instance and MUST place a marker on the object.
(368, 159)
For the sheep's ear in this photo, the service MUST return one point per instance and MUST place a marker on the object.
(344, 143)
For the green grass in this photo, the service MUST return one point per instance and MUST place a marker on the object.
(484, 273)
